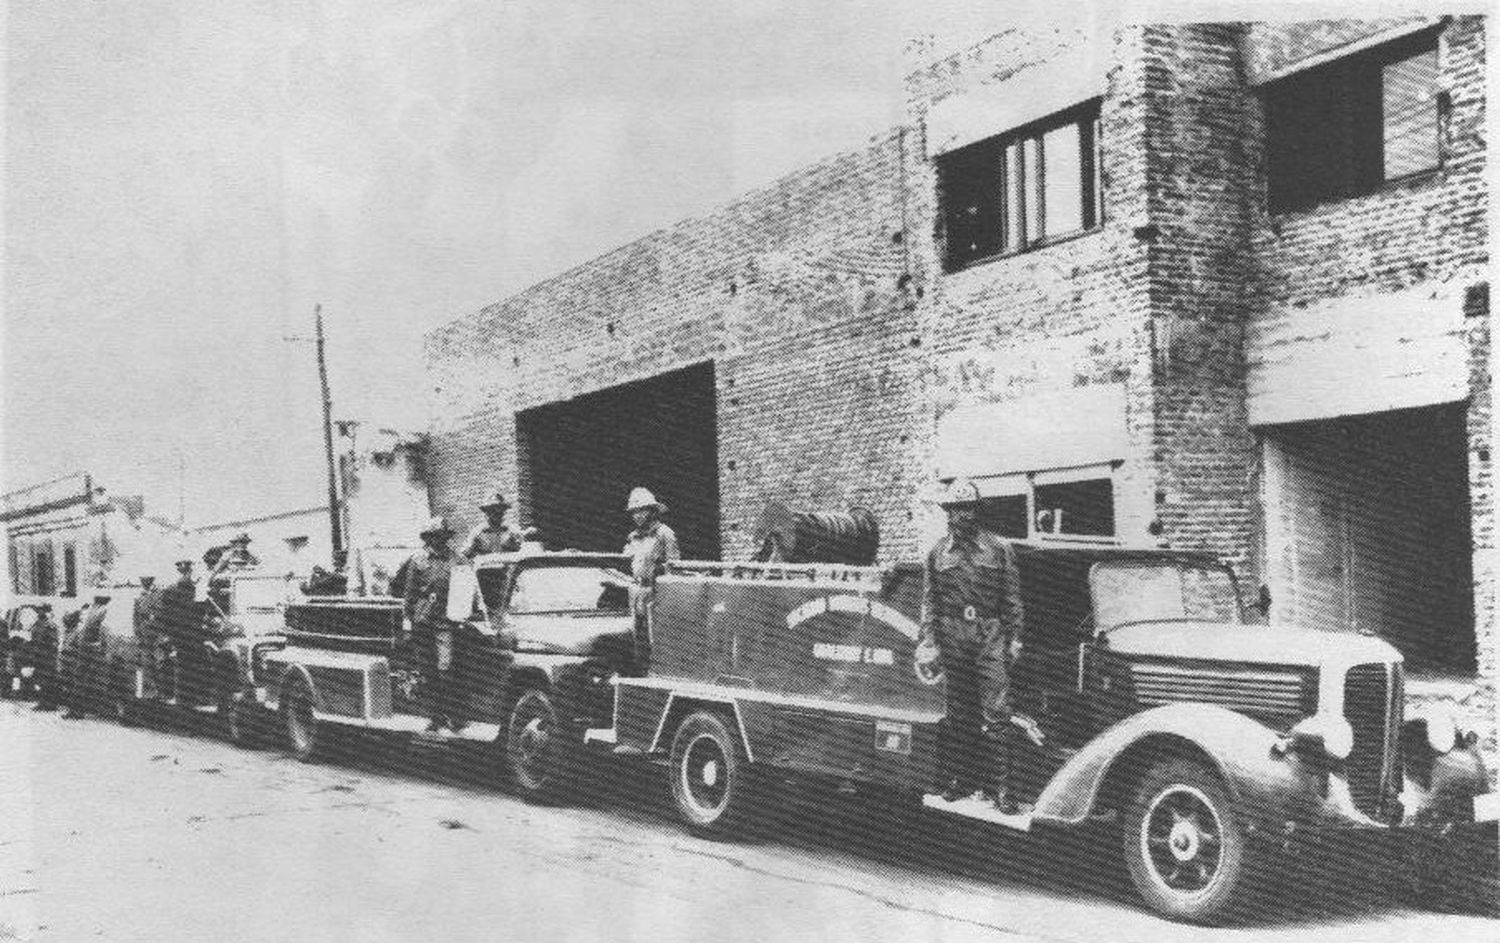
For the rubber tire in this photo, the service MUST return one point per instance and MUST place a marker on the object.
(303, 737)
(538, 774)
(730, 815)
(1232, 891)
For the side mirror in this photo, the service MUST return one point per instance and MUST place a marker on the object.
(463, 590)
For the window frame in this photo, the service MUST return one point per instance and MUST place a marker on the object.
(1358, 135)
(1025, 484)
(1013, 200)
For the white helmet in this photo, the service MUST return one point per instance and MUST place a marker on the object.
(640, 499)
(960, 491)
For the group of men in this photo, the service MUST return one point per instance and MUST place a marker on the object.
(445, 649)
(972, 619)
(971, 622)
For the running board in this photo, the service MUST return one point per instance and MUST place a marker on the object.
(971, 808)
(414, 726)
(605, 736)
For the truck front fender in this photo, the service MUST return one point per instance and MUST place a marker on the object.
(1238, 748)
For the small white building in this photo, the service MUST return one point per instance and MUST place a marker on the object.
(68, 535)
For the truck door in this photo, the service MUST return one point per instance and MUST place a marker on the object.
(485, 645)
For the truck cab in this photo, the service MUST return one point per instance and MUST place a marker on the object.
(538, 635)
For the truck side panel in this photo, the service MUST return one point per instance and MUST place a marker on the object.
(639, 712)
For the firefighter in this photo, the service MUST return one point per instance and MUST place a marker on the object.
(494, 536)
(146, 607)
(237, 555)
(649, 546)
(43, 648)
(181, 621)
(971, 625)
(87, 669)
(425, 594)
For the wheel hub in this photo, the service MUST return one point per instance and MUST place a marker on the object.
(533, 735)
(711, 773)
(1181, 840)
(1184, 840)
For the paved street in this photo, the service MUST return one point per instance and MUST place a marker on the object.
(134, 834)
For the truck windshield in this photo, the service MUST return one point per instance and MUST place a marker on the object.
(1155, 591)
(582, 588)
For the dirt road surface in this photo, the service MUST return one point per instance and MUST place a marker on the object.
(164, 833)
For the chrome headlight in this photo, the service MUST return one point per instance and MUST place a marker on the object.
(1441, 727)
(1332, 732)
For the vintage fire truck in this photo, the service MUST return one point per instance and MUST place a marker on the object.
(1208, 740)
(145, 674)
(539, 635)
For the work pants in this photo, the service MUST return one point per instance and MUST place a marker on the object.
(446, 668)
(642, 601)
(977, 684)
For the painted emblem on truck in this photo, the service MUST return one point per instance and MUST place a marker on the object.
(858, 605)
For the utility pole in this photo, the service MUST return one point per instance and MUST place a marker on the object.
(335, 514)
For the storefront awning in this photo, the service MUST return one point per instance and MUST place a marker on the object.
(1065, 429)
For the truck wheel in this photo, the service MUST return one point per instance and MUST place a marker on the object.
(302, 734)
(1185, 845)
(536, 748)
(711, 777)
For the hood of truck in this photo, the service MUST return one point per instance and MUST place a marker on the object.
(1255, 644)
(566, 633)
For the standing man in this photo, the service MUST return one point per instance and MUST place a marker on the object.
(971, 614)
(146, 619)
(146, 607)
(181, 621)
(425, 595)
(46, 639)
(494, 536)
(649, 546)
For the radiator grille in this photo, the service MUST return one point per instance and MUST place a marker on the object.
(1277, 694)
(1372, 705)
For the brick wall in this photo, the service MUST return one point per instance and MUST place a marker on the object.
(1430, 230)
(795, 292)
(1200, 188)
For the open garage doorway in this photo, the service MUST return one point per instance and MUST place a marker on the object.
(580, 458)
(1368, 529)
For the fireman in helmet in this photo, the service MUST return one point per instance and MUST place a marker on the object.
(971, 626)
(425, 602)
(649, 546)
(494, 535)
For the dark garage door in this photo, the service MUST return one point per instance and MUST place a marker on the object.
(580, 458)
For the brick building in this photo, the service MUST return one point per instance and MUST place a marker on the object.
(1218, 285)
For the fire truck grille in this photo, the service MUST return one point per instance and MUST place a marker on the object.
(1372, 705)
(1268, 692)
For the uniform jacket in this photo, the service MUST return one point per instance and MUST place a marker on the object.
(179, 615)
(487, 539)
(147, 610)
(649, 548)
(969, 586)
(426, 586)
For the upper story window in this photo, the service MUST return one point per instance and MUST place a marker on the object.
(1021, 189)
(1349, 126)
